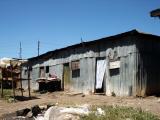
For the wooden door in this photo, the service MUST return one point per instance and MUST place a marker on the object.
(66, 76)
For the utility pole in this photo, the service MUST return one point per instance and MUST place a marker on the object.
(82, 42)
(38, 46)
(20, 51)
(20, 58)
(29, 88)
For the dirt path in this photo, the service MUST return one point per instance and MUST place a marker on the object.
(151, 104)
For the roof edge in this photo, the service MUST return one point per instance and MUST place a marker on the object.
(131, 32)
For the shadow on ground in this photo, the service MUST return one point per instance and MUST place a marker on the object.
(24, 98)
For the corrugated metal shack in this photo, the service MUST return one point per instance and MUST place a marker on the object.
(126, 64)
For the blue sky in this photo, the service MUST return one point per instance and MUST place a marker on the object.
(60, 23)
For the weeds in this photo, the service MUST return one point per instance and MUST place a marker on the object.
(7, 92)
(7, 95)
(120, 113)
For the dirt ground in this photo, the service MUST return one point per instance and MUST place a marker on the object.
(151, 103)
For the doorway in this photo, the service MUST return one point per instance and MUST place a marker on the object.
(66, 76)
(101, 65)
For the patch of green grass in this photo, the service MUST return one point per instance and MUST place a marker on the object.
(6, 93)
(120, 113)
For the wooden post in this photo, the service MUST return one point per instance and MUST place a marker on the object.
(29, 90)
(21, 79)
(2, 87)
(1, 77)
(11, 70)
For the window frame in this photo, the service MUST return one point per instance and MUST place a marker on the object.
(47, 69)
(41, 74)
(114, 67)
(75, 68)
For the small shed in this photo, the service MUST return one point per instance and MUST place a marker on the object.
(126, 64)
(10, 72)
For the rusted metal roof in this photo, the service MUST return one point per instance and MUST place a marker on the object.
(114, 37)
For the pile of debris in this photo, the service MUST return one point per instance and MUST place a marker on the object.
(52, 112)
(63, 113)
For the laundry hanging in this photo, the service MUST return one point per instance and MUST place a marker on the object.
(101, 67)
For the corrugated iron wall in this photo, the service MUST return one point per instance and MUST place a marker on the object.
(123, 84)
(139, 66)
(128, 73)
(57, 70)
(148, 68)
(34, 76)
(85, 82)
(24, 76)
(87, 57)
